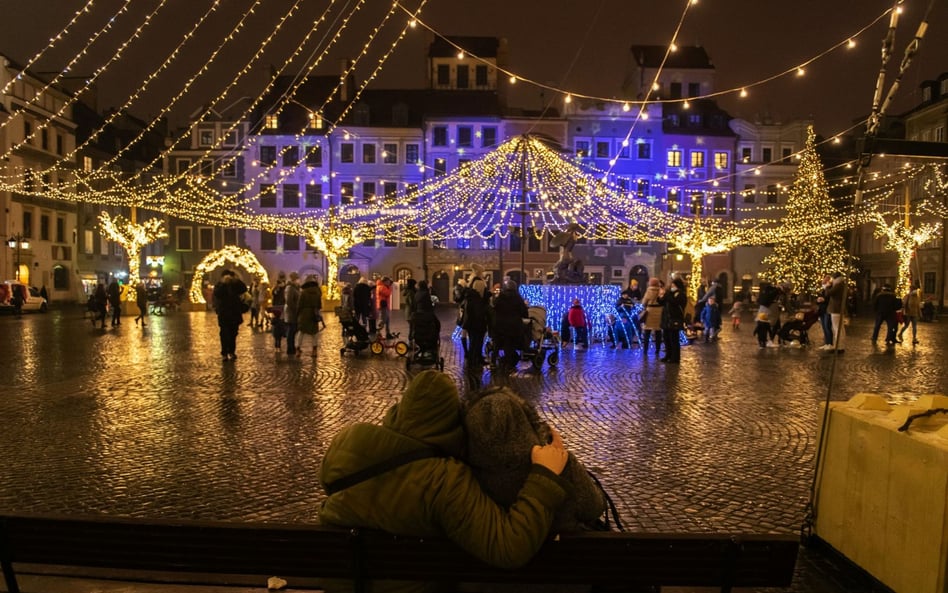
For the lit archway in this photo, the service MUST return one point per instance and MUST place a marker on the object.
(238, 256)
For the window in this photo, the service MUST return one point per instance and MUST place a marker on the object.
(767, 154)
(673, 120)
(675, 90)
(206, 238)
(267, 196)
(746, 155)
(603, 149)
(346, 191)
(514, 241)
(697, 203)
(44, 227)
(87, 164)
(411, 153)
(230, 138)
(291, 195)
(229, 169)
(184, 239)
(464, 77)
(88, 242)
(230, 236)
(695, 120)
(463, 243)
(694, 89)
(390, 154)
(28, 180)
(488, 136)
(60, 230)
(361, 115)
(412, 190)
(27, 130)
(642, 188)
(268, 156)
(672, 201)
(390, 191)
(27, 224)
(314, 156)
(465, 136)
(60, 278)
(773, 194)
(368, 153)
(315, 121)
(59, 144)
(582, 148)
(268, 241)
(207, 167)
(785, 153)
(368, 192)
(347, 152)
(940, 130)
(750, 193)
(720, 203)
(489, 243)
(480, 75)
(439, 136)
(444, 75)
(370, 242)
(440, 167)
(205, 137)
(271, 122)
(291, 243)
(697, 159)
(928, 282)
(674, 158)
(314, 195)
(533, 242)
(721, 160)
(291, 156)
(644, 150)
(623, 149)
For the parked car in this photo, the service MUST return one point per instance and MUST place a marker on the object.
(31, 299)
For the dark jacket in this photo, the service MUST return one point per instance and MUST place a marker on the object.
(227, 301)
(362, 298)
(437, 496)
(311, 303)
(423, 300)
(509, 313)
(673, 306)
(475, 305)
(886, 303)
(115, 295)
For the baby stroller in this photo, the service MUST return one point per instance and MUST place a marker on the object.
(357, 339)
(796, 328)
(425, 346)
(538, 344)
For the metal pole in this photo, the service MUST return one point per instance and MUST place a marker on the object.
(523, 213)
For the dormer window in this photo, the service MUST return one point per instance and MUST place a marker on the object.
(272, 122)
(315, 121)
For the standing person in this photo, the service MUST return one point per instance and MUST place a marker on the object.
(115, 302)
(45, 294)
(427, 490)
(652, 311)
(101, 300)
(736, 309)
(308, 316)
(886, 305)
(291, 309)
(230, 311)
(578, 323)
(423, 300)
(475, 307)
(408, 302)
(362, 301)
(277, 297)
(383, 299)
(141, 301)
(711, 319)
(911, 311)
(674, 300)
(508, 329)
(822, 301)
(837, 309)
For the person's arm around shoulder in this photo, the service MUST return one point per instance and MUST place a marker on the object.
(506, 538)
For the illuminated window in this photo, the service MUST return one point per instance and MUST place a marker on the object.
(87, 164)
(721, 160)
(272, 122)
(674, 158)
(315, 121)
(582, 148)
(697, 159)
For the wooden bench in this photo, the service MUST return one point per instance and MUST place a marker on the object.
(308, 551)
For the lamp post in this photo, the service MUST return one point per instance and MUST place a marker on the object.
(18, 242)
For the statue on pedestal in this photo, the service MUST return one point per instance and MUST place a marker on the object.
(568, 269)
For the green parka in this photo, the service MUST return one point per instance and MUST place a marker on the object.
(435, 496)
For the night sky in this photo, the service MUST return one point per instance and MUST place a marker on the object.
(581, 46)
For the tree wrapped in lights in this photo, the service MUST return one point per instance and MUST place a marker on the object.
(132, 237)
(333, 240)
(904, 239)
(704, 237)
(805, 253)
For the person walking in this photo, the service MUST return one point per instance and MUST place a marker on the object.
(408, 302)
(115, 302)
(508, 331)
(673, 302)
(101, 300)
(475, 305)
(291, 311)
(230, 307)
(362, 301)
(836, 308)
(911, 311)
(308, 316)
(651, 317)
(141, 301)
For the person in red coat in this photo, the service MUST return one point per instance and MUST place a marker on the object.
(577, 321)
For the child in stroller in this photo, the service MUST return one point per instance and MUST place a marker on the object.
(796, 328)
(357, 338)
(425, 347)
(537, 341)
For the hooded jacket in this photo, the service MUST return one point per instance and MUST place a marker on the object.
(437, 496)
(502, 428)
(309, 306)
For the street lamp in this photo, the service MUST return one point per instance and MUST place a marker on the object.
(18, 242)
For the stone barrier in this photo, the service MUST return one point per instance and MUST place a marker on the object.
(882, 493)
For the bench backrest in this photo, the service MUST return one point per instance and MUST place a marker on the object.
(708, 560)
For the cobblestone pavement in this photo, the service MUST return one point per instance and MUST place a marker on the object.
(152, 423)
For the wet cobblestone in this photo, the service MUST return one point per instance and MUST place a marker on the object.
(152, 423)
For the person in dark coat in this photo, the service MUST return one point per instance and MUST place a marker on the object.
(115, 302)
(501, 429)
(673, 303)
(475, 304)
(886, 304)
(230, 309)
(101, 300)
(408, 302)
(308, 314)
(508, 330)
(423, 300)
(362, 301)
(141, 300)
(291, 308)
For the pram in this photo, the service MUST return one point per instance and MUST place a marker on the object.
(356, 337)
(538, 344)
(796, 328)
(425, 345)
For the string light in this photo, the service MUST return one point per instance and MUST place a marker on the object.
(904, 239)
(238, 256)
(132, 237)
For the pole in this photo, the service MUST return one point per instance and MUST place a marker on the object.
(523, 213)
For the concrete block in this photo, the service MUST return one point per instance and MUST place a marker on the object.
(868, 401)
(931, 402)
